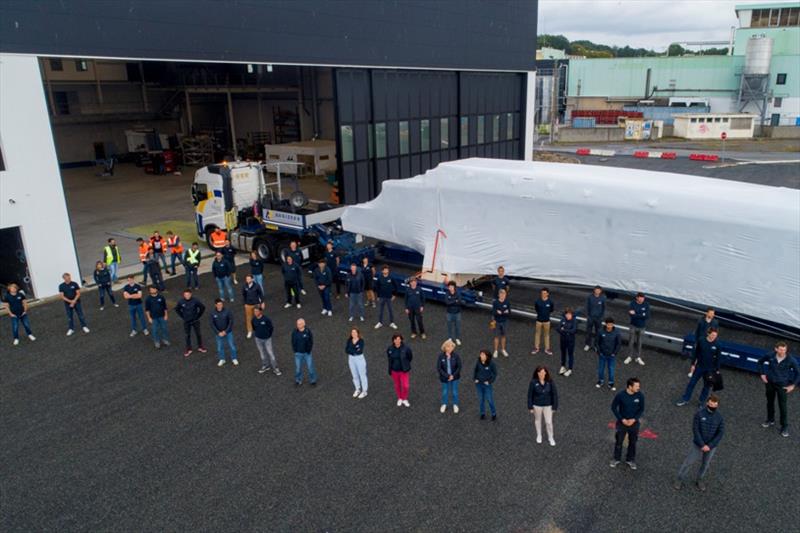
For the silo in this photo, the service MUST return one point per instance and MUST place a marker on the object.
(757, 56)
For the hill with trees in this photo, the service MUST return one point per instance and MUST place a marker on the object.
(590, 49)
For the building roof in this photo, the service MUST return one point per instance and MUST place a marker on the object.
(744, 7)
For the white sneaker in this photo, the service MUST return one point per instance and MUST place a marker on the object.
(299, 306)
(627, 360)
(495, 354)
(102, 308)
(399, 403)
(505, 353)
(85, 329)
(31, 337)
(568, 373)
(133, 333)
(356, 393)
(586, 348)
(455, 409)
(16, 342)
(350, 319)
(116, 305)
(362, 395)
(393, 325)
(70, 332)
(458, 342)
(303, 292)
(443, 408)
(249, 334)
(552, 441)
(538, 439)
(287, 305)
(562, 371)
(361, 318)
(221, 362)
(378, 325)
(640, 361)
(324, 312)
(235, 362)
(405, 402)
(146, 333)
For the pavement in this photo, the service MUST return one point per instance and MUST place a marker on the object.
(103, 432)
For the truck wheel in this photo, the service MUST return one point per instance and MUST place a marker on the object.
(263, 248)
(283, 251)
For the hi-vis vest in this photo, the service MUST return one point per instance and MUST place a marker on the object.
(174, 244)
(193, 257)
(112, 255)
(143, 249)
(218, 238)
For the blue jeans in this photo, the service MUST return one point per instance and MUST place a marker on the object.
(222, 283)
(697, 375)
(191, 277)
(259, 278)
(454, 325)
(159, 329)
(112, 268)
(325, 294)
(485, 394)
(78, 310)
(356, 304)
(161, 257)
(145, 270)
(134, 311)
(450, 388)
(221, 342)
(387, 303)
(604, 361)
(102, 291)
(299, 358)
(15, 321)
(174, 258)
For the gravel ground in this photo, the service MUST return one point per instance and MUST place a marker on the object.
(103, 432)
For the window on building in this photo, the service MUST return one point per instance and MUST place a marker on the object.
(464, 131)
(781, 79)
(794, 16)
(346, 134)
(444, 132)
(425, 135)
(717, 119)
(496, 128)
(509, 126)
(370, 141)
(481, 128)
(404, 140)
(81, 65)
(61, 102)
(774, 14)
(380, 139)
(56, 65)
(777, 101)
(741, 123)
(724, 120)
(694, 120)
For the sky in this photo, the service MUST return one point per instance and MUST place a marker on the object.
(652, 24)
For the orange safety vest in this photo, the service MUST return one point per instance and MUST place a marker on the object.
(143, 249)
(218, 238)
(174, 244)
(153, 241)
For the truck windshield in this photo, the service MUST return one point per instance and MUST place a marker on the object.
(199, 192)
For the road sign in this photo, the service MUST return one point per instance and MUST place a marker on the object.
(723, 136)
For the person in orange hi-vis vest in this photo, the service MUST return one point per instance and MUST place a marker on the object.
(144, 249)
(176, 250)
(218, 238)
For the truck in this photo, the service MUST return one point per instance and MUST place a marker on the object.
(236, 197)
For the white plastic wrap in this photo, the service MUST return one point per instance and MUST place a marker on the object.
(727, 244)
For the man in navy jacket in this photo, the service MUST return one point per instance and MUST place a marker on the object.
(708, 427)
(385, 287)
(781, 375)
(707, 360)
(608, 344)
(222, 325)
(415, 305)
(302, 344)
(639, 311)
(628, 408)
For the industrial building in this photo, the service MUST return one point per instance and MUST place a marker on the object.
(760, 75)
(396, 87)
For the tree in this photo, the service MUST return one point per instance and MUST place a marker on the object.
(559, 42)
(675, 50)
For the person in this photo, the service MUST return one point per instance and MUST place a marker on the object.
(607, 344)
(291, 281)
(543, 401)
(217, 239)
(17, 307)
(354, 348)
(385, 287)
(155, 271)
(102, 277)
(175, 247)
(253, 297)
(415, 306)
(229, 254)
(595, 311)
(501, 310)
(222, 275)
(639, 311)
(453, 305)
(332, 261)
(707, 321)
(132, 292)
(112, 258)
(155, 309)
(144, 250)
(354, 285)
(708, 427)
(71, 296)
(368, 271)
(221, 320)
(780, 374)
(567, 329)
(400, 357)
(263, 330)
(628, 408)
(707, 360)
(544, 307)
(323, 277)
(485, 374)
(449, 367)
(191, 262)
(190, 309)
(302, 344)
(257, 269)
(158, 245)
(501, 281)
(297, 257)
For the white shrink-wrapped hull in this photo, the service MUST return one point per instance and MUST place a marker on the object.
(727, 244)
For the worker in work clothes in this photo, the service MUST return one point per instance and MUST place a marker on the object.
(191, 262)
(501, 310)
(368, 271)
(102, 277)
(175, 248)
(453, 305)
(132, 292)
(190, 309)
(143, 249)
(229, 253)
(708, 427)
(291, 281)
(158, 245)
(332, 261)
(222, 274)
(218, 238)
(501, 281)
(221, 320)
(17, 308)
(707, 359)
(385, 287)
(595, 311)
(253, 299)
(544, 307)
(355, 292)
(415, 305)
(112, 258)
(298, 260)
(155, 271)
(567, 329)
(263, 329)
(257, 269)
(639, 310)
(323, 278)
(780, 374)
(71, 295)
(607, 344)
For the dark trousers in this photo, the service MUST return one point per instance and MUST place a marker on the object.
(191, 277)
(102, 291)
(187, 330)
(78, 310)
(593, 325)
(567, 350)
(158, 280)
(633, 435)
(145, 271)
(338, 283)
(385, 303)
(292, 291)
(415, 317)
(772, 391)
(325, 295)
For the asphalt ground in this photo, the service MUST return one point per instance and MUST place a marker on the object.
(103, 432)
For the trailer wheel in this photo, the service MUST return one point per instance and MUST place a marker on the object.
(264, 249)
(283, 251)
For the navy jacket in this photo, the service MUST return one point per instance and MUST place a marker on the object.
(132, 290)
(455, 366)
(608, 342)
(567, 328)
(415, 298)
(596, 306)
(252, 294)
(641, 313)
(484, 373)
(542, 395)
(500, 283)
(701, 331)
(385, 286)
(628, 405)
(153, 267)
(369, 279)
(354, 349)
(256, 266)
(70, 290)
(156, 306)
(302, 341)
(399, 358)
(324, 277)
(291, 273)
(787, 372)
(221, 320)
(707, 428)
(190, 310)
(262, 327)
(102, 276)
(543, 309)
(453, 302)
(707, 355)
(355, 282)
(14, 302)
(501, 310)
(221, 269)
(330, 261)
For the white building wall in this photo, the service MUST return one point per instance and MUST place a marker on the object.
(31, 193)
